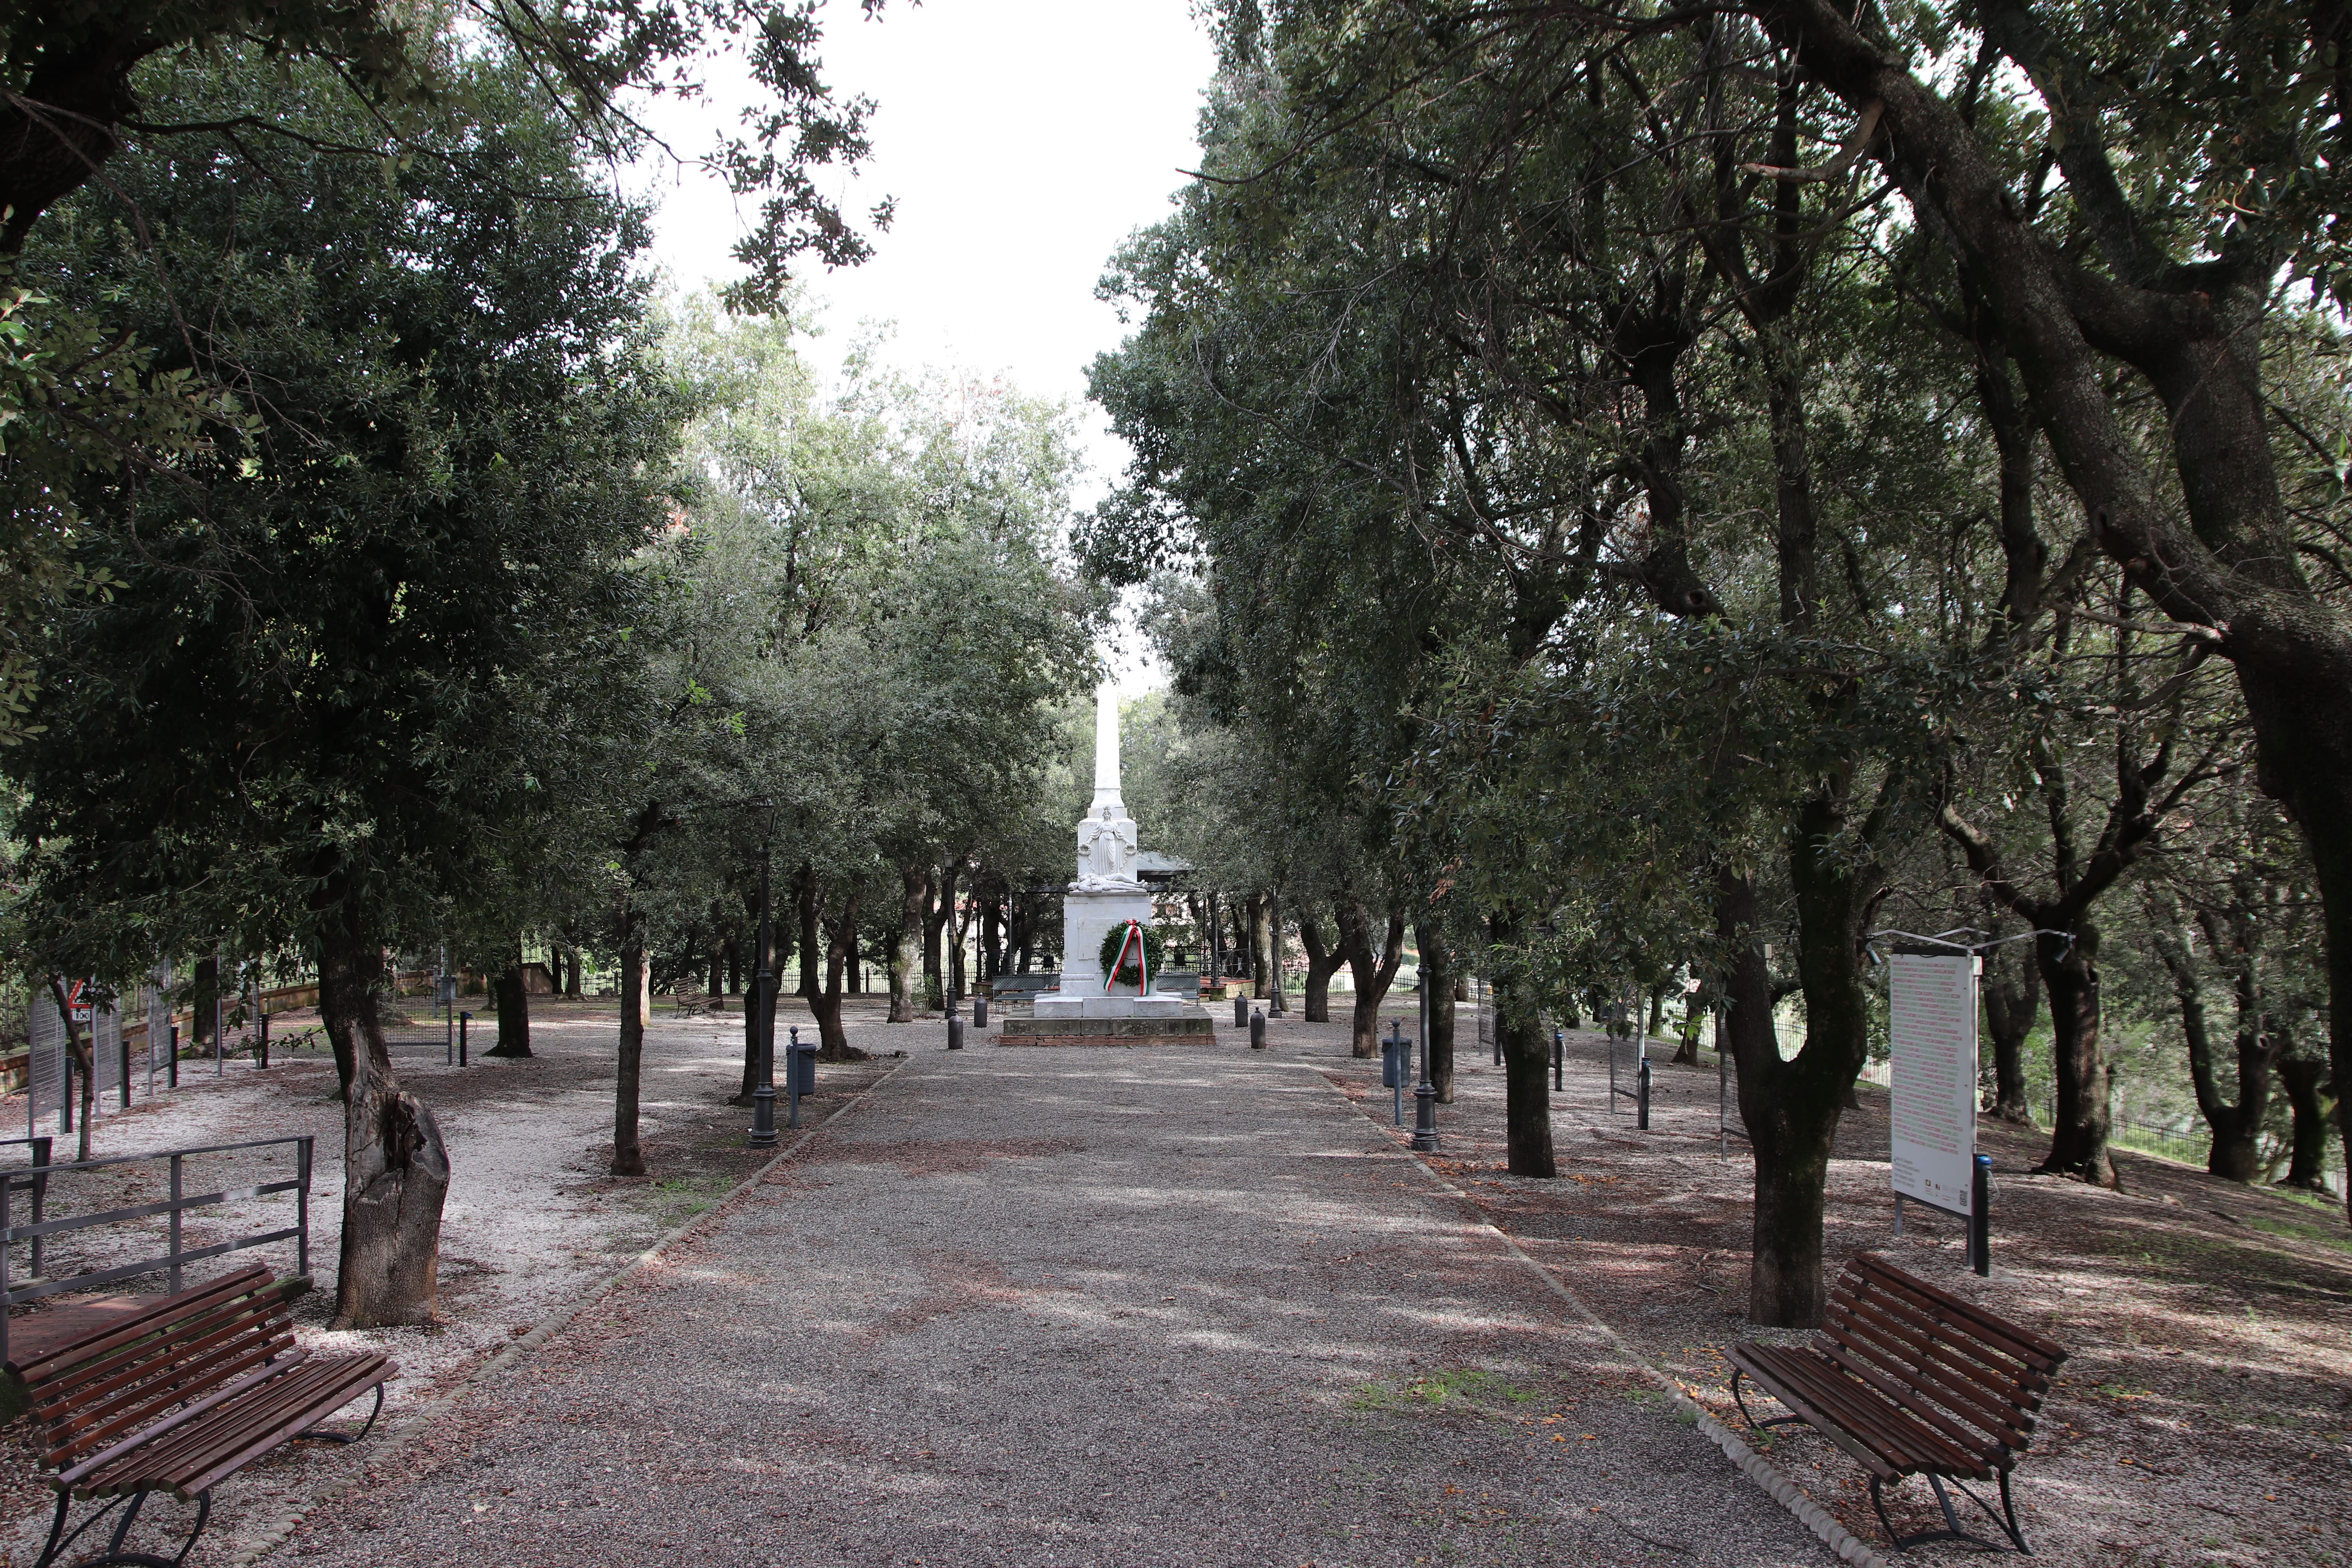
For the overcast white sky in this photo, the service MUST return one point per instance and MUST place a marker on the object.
(1024, 140)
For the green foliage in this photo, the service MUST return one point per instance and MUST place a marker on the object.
(336, 668)
(390, 81)
(867, 629)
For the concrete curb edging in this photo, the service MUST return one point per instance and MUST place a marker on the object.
(1776, 1484)
(399, 1436)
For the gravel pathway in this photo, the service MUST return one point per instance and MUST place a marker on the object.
(1061, 1307)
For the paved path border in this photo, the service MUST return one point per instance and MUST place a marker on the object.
(399, 1435)
(1776, 1483)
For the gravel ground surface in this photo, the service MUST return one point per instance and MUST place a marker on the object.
(531, 1221)
(1174, 1304)
(2205, 1416)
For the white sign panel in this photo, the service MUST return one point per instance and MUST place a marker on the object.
(1932, 1032)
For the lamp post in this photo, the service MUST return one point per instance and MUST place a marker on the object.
(763, 1092)
(1425, 1093)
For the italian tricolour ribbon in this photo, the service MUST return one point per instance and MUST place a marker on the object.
(1134, 944)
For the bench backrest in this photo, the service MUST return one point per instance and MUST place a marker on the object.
(92, 1393)
(1978, 1378)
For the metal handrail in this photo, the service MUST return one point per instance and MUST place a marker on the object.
(35, 1179)
(200, 1148)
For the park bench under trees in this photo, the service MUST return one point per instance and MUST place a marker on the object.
(179, 1396)
(1912, 1381)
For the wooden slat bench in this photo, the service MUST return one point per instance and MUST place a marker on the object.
(694, 1004)
(180, 1395)
(1912, 1381)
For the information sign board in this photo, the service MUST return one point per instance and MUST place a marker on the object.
(1932, 1032)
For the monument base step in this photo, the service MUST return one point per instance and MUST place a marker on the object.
(1199, 1030)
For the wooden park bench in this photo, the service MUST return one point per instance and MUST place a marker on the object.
(1912, 1381)
(692, 1003)
(180, 1395)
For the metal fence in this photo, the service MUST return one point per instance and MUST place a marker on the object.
(33, 1190)
(119, 1067)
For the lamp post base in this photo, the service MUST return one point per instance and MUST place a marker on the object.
(763, 1117)
(1425, 1118)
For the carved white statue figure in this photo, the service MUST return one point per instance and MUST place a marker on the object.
(1107, 850)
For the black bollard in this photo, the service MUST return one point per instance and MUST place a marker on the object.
(463, 1019)
(792, 1076)
(65, 1118)
(1257, 1031)
(1981, 1218)
(1642, 1101)
(955, 1032)
(124, 1082)
(172, 1067)
(1240, 1011)
(265, 1042)
(980, 1012)
(1396, 1059)
(1559, 1056)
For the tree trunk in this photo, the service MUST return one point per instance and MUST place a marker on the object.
(827, 946)
(2010, 1009)
(1261, 945)
(203, 992)
(1440, 987)
(58, 129)
(2078, 1138)
(1527, 1059)
(1322, 963)
(395, 1166)
(514, 1008)
(1785, 1131)
(83, 1054)
(956, 924)
(2326, 792)
(1371, 972)
(915, 884)
(939, 898)
(2236, 1152)
(1695, 1009)
(2306, 1084)
(1791, 1107)
(637, 1012)
(991, 939)
(1278, 978)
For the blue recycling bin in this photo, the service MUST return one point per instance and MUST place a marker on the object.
(800, 1069)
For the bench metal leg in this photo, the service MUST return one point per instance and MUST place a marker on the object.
(315, 1435)
(2006, 1518)
(1736, 1372)
(59, 1540)
(123, 1529)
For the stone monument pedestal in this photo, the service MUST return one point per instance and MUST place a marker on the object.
(1088, 916)
(1112, 1020)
